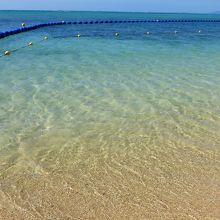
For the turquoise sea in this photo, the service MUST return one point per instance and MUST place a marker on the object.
(106, 127)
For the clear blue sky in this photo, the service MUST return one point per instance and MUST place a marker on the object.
(115, 5)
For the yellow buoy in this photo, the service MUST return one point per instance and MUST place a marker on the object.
(7, 53)
(45, 38)
(117, 34)
(30, 43)
(23, 25)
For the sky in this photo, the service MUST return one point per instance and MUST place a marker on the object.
(114, 5)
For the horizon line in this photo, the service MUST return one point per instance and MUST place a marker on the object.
(149, 12)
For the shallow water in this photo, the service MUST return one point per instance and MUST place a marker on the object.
(110, 128)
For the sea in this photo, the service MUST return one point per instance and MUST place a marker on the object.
(110, 126)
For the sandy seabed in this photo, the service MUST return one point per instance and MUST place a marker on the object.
(139, 179)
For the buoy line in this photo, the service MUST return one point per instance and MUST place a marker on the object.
(78, 35)
(29, 44)
(26, 28)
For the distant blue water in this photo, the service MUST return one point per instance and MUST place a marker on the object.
(13, 19)
(159, 32)
(71, 103)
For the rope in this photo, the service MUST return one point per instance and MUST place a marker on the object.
(7, 53)
(34, 27)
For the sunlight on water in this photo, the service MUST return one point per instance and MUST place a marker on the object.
(111, 128)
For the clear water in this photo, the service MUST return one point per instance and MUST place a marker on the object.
(105, 127)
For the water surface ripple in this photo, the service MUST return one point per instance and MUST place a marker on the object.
(110, 128)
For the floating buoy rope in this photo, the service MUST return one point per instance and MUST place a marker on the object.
(9, 52)
(117, 34)
(34, 27)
